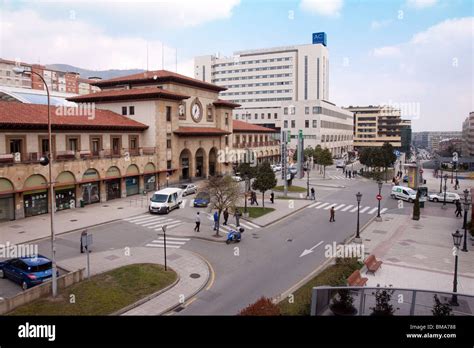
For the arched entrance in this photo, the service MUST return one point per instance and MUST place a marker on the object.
(113, 186)
(200, 163)
(212, 161)
(65, 191)
(132, 182)
(35, 196)
(90, 186)
(185, 164)
(149, 177)
(7, 200)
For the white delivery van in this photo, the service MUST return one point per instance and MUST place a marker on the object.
(403, 193)
(165, 200)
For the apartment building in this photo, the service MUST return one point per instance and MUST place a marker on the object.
(262, 80)
(430, 139)
(322, 123)
(468, 135)
(376, 125)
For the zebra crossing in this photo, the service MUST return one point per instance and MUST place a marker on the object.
(350, 208)
(154, 222)
(171, 242)
(246, 224)
(343, 177)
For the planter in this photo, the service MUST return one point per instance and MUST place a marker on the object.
(381, 314)
(343, 312)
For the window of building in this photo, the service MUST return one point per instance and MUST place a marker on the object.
(168, 114)
(116, 144)
(168, 164)
(72, 143)
(95, 145)
(209, 114)
(315, 123)
(292, 110)
(269, 115)
(131, 110)
(306, 110)
(275, 115)
(133, 143)
(168, 140)
(293, 123)
(256, 116)
(226, 119)
(306, 123)
(285, 111)
(226, 140)
(124, 110)
(262, 115)
(285, 124)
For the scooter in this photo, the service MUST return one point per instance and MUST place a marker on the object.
(234, 236)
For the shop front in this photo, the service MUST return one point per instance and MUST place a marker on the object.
(65, 191)
(149, 178)
(132, 182)
(7, 200)
(113, 183)
(35, 195)
(91, 188)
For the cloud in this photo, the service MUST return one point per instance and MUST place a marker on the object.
(380, 24)
(329, 8)
(433, 69)
(420, 4)
(26, 36)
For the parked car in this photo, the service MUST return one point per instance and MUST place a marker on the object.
(27, 271)
(165, 200)
(276, 167)
(188, 189)
(293, 170)
(236, 178)
(451, 197)
(202, 199)
(405, 178)
(403, 193)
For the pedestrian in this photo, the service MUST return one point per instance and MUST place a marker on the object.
(272, 197)
(237, 217)
(226, 216)
(83, 234)
(456, 186)
(349, 174)
(332, 216)
(255, 197)
(313, 194)
(458, 209)
(354, 173)
(216, 220)
(343, 170)
(251, 197)
(198, 222)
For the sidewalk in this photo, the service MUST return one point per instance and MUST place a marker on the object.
(433, 183)
(37, 227)
(418, 254)
(193, 273)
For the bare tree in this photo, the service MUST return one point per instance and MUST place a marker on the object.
(224, 192)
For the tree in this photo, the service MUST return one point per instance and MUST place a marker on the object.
(224, 193)
(265, 180)
(247, 172)
(325, 159)
(387, 156)
(262, 307)
(382, 302)
(441, 309)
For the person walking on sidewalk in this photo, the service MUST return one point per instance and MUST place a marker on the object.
(83, 234)
(198, 222)
(226, 216)
(237, 217)
(313, 195)
(272, 197)
(456, 186)
(458, 209)
(332, 215)
(216, 220)
(350, 174)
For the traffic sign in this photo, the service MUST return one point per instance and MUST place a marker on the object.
(397, 153)
(379, 197)
(421, 171)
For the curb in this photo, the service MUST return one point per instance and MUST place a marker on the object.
(196, 237)
(147, 298)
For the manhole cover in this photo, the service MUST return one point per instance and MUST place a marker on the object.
(112, 257)
(105, 206)
(289, 240)
(120, 208)
(195, 275)
(73, 220)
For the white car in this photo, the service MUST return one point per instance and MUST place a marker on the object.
(236, 178)
(403, 193)
(451, 197)
(276, 167)
(188, 189)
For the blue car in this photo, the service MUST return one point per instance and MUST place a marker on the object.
(202, 199)
(27, 271)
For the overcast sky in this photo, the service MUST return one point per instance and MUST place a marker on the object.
(415, 53)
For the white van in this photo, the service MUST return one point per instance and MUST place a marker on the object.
(165, 200)
(404, 193)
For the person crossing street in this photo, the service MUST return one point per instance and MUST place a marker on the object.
(198, 222)
(332, 215)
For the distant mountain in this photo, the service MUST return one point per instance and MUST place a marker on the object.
(104, 74)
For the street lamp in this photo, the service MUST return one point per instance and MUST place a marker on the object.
(445, 188)
(441, 181)
(457, 242)
(380, 183)
(307, 178)
(466, 208)
(21, 71)
(359, 198)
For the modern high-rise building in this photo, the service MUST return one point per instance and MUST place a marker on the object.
(261, 80)
(376, 125)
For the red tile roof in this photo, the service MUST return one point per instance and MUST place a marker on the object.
(200, 131)
(158, 76)
(220, 102)
(240, 126)
(127, 94)
(15, 115)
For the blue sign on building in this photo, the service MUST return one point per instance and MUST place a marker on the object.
(320, 38)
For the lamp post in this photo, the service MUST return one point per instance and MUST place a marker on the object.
(307, 178)
(466, 208)
(457, 242)
(21, 71)
(379, 183)
(441, 181)
(359, 198)
(445, 188)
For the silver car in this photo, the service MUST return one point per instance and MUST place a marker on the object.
(188, 189)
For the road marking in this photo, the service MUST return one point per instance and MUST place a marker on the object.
(169, 226)
(314, 205)
(141, 218)
(372, 211)
(148, 223)
(339, 207)
(144, 221)
(353, 210)
(168, 242)
(162, 246)
(348, 207)
(330, 206)
(252, 224)
(175, 238)
(322, 205)
(383, 210)
(242, 224)
(159, 223)
(309, 251)
(365, 209)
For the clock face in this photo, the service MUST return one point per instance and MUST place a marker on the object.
(196, 111)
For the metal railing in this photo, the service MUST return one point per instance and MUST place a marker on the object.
(412, 302)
